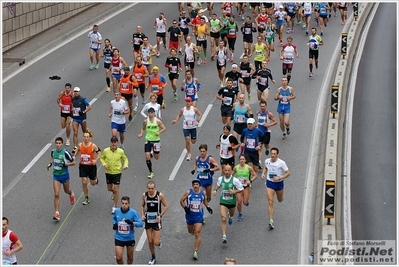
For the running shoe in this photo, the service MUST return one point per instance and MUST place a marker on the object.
(68, 142)
(204, 62)
(130, 117)
(249, 98)
(284, 136)
(121, 146)
(56, 216)
(136, 108)
(90, 132)
(321, 33)
(239, 217)
(143, 103)
(242, 17)
(175, 96)
(260, 164)
(310, 74)
(195, 255)
(108, 89)
(150, 175)
(232, 58)
(96, 66)
(342, 23)
(163, 105)
(306, 32)
(288, 130)
(111, 196)
(267, 151)
(97, 181)
(329, 16)
(158, 54)
(230, 220)
(268, 58)
(224, 239)
(179, 53)
(299, 22)
(113, 209)
(288, 31)
(152, 154)
(188, 157)
(86, 201)
(292, 30)
(325, 25)
(304, 26)
(203, 221)
(72, 198)
(199, 62)
(271, 225)
(91, 66)
(212, 58)
(221, 83)
(152, 261)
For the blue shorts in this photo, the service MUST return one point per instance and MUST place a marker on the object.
(80, 121)
(61, 178)
(283, 109)
(307, 15)
(205, 182)
(276, 186)
(190, 132)
(94, 49)
(280, 23)
(117, 76)
(194, 219)
(119, 127)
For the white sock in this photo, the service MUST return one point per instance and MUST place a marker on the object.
(136, 99)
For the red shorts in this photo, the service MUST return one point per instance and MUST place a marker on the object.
(174, 44)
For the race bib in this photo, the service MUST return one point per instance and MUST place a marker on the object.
(155, 88)
(138, 77)
(228, 101)
(152, 217)
(232, 31)
(195, 206)
(226, 195)
(190, 59)
(251, 143)
(85, 159)
(123, 228)
(66, 109)
(157, 147)
(240, 118)
(76, 112)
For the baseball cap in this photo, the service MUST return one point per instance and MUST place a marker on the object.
(126, 68)
(195, 181)
(281, 6)
(151, 110)
(155, 68)
(251, 120)
(201, 11)
(188, 99)
(76, 89)
(114, 139)
(227, 127)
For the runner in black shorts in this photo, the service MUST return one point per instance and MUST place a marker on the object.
(227, 144)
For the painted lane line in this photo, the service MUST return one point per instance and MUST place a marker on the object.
(208, 109)
(178, 164)
(142, 240)
(33, 161)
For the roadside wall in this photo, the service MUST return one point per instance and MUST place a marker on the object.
(24, 20)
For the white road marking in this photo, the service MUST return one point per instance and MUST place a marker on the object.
(36, 158)
(205, 114)
(177, 166)
(142, 240)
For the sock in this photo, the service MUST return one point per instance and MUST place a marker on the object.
(316, 64)
(108, 81)
(143, 98)
(288, 78)
(149, 165)
(232, 54)
(204, 54)
(153, 256)
(311, 67)
(136, 99)
(199, 56)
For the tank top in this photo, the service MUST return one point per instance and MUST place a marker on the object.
(307, 8)
(59, 160)
(288, 53)
(125, 86)
(189, 52)
(191, 89)
(160, 25)
(262, 19)
(284, 93)
(189, 118)
(156, 84)
(108, 54)
(139, 72)
(224, 152)
(323, 9)
(244, 69)
(66, 103)
(243, 174)
(8, 244)
(194, 202)
(201, 32)
(260, 52)
(215, 26)
(291, 8)
(224, 23)
(225, 196)
(86, 154)
(232, 30)
(247, 28)
(183, 23)
(145, 53)
(202, 165)
(239, 114)
(151, 129)
(115, 62)
(269, 34)
(263, 118)
(221, 56)
(152, 207)
(228, 8)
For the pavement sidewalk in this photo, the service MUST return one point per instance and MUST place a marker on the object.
(23, 53)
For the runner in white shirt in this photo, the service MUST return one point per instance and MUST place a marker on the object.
(277, 171)
(117, 112)
(152, 104)
(95, 46)
(160, 24)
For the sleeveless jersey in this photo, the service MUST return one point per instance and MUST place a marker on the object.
(221, 56)
(291, 8)
(228, 8)
(191, 89)
(139, 72)
(125, 85)
(215, 25)
(224, 145)
(151, 129)
(262, 119)
(244, 69)
(288, 53)
(243, 175)
(239, 114)
(59, 161)
(194, 202)
(66, 103)
(232, 30)
(284, 93)
(108, 54)
(189, 118)
(8, 244)
(224, 21)
(260, 52)
(115, 62)
(247, 30)
(189, 53)
(262, 19)
(202, 165)
(156, 84)
(307, 8)
(201, 32)
(160, 25)
(145, 54)
(323, 9)
(152, 207)
(225, 196)
(314, 42)
(86, 154)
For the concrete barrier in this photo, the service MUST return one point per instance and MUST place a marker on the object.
(330, 229)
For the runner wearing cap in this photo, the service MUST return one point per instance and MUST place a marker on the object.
(80, 105)
(249, 140)
(111, 159)
(192, 202)
(117, 112)
(128, 88)
(64, 101)
(157, 82)
(191, 118)
(153, 128)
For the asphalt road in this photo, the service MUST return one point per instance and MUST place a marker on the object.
(84, 235)
(374, 155)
